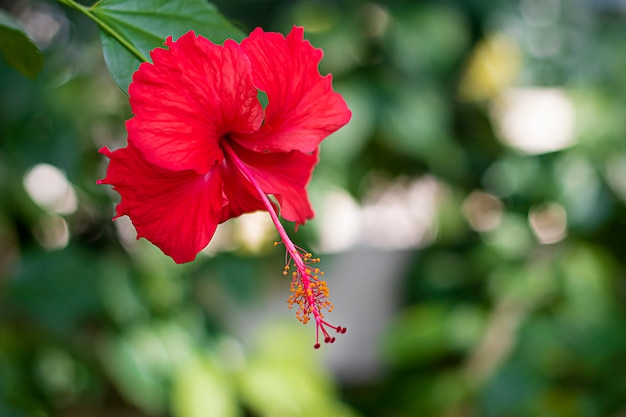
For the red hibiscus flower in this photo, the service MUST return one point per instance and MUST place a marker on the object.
(202, 149)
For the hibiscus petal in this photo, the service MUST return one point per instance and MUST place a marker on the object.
(282, 174)
(302, 107)
(241, 195)
(175, 210)
(184, 102)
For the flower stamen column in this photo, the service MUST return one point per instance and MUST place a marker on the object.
(309, 292)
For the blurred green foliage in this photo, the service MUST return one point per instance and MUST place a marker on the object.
(511, 298)
(18, 50)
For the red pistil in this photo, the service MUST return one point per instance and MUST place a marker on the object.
(308, 291)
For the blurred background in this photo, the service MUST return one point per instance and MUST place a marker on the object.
(470, 220)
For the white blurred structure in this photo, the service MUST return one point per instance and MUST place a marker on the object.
(535, 120)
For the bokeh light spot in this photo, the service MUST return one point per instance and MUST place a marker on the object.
(50, 189)
(535, 120)
(483, 211)
(548, 223)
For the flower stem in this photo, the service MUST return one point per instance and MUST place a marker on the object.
(88, 11)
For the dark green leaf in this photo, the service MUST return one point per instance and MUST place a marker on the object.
(19, 51)
(58, 290)
(145, 24)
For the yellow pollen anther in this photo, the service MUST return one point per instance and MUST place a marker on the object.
(309, 292)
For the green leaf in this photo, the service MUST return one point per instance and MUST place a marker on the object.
(145, 24)
(200, 389)
(132, 363)
(56, 290)
(19, 51)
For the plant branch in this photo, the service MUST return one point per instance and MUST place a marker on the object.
(106, 28)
